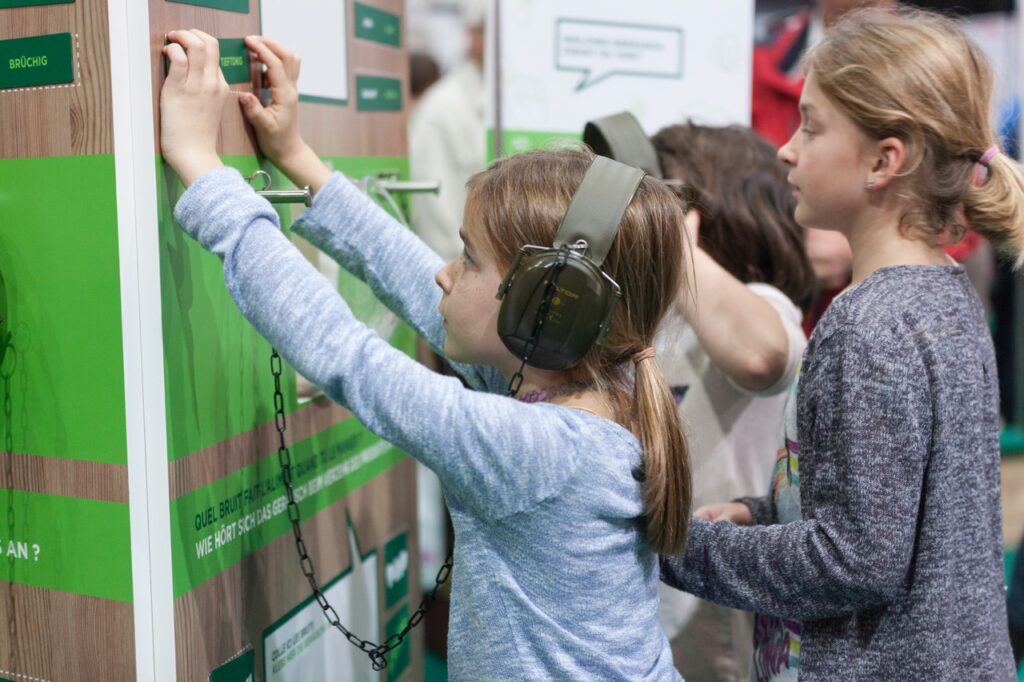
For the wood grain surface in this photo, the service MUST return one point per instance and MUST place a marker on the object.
(67, 120)
(332, 130)
(50, 635)
(229, 612)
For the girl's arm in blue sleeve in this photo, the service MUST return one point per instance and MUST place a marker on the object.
(853, 549)
(364, 239)
(496, 456)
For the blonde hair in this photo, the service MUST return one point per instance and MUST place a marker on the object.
(914, 75)
(521, 200)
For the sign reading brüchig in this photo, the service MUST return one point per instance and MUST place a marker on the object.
(37, 61)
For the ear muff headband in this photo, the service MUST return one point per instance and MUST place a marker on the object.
(556, 301)
(621, 137)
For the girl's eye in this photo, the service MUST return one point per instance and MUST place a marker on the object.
(807, 131)
(466, 258)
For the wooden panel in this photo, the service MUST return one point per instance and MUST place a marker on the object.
(69, 120)
(70, 478)
(50, 635)
(343, 131)
(236, 137)
(230, 612)
(332, 130)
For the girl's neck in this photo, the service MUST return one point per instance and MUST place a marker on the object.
(882, 244)
(554, 393)
(562, 388)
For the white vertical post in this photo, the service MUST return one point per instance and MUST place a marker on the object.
(138, 245)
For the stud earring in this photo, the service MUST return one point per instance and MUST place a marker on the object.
(869, 185)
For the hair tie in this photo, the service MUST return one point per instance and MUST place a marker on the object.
(989, 154)
(645, 354)
(981, 171)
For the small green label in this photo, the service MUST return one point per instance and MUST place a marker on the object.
(398, 659)
(35, 61)
(241, 6)
(234, 60)
(396, 570)
(376, 93)
(4, 4)
(241, 669)
(377, 25)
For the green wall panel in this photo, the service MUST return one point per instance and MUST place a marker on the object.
(61, 290)
(217, 368)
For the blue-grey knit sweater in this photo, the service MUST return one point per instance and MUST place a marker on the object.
(896, 569)
(552, 579)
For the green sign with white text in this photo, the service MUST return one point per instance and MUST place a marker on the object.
(241, 6)
(36, 61)
(396, 570)
(377, 25)
(377, 93)
(68, 544)
(234, 60)
(4, 4)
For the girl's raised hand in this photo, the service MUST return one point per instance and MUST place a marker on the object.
(276, 125)
(734, 512)
(191, 104)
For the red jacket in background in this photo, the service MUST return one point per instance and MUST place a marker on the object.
(775, 112)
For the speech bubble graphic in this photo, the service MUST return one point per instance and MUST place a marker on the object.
(600, 49)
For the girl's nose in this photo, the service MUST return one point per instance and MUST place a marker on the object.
(786, 153)
(444, 279)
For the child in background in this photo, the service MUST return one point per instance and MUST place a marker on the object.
(879, 553)
(730, 350)
(559, 500)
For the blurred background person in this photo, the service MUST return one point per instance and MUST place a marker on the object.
(423, 72)
(446, 141)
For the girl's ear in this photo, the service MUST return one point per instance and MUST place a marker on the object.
(889, 156)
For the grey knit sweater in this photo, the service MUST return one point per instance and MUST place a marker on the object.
(896, 569)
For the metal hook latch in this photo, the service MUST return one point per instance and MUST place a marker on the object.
(281, 196)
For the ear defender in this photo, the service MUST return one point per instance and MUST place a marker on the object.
(556, 302)
(621, 137)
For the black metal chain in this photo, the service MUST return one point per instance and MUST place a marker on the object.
(542, 314)
(376, 652)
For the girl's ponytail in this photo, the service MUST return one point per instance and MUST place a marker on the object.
(667, 484)
(994, 208)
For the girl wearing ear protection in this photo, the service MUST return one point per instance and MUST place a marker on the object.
(879, 553)
(560, 497)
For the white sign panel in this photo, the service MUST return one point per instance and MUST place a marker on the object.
(305, 647)
(316, 31)
(560, 64)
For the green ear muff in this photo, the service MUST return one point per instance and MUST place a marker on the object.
(621, 137)
(556, 302)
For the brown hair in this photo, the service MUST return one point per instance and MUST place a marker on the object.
(521, 200)
(916, 76)
(735, 180)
